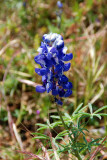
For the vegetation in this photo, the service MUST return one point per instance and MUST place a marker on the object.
(30, 126)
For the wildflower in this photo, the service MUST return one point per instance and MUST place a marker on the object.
(38, 112)
(59, 4)
(59, 13)
(51, 57)
(24, 4)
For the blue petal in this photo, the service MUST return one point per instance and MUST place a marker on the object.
(44, 78)
(49, 87)
(61, 92)
(49, 63)
(60, 44)
(53, 62)
(68, 93)
(67, 57)
(66, 67)
(40, 89)
(63, 79)
(44, 37)
(59, 102)
(59, 4)
(60, 53)
(54, 92)
(53, 50)
(58, 68)
(49, 56)
(37, 70)
(43, 71)
(68, 85)
(40, 59)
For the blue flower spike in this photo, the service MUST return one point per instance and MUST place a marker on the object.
(51, 58)
(59, 4)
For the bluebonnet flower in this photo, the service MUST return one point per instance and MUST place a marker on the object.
(51, 58)
(24, 4)
(59, 13)
(59, 4)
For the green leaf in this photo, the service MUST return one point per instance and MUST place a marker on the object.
(83, 148)
(40, 137)
(90, 107)
(102, 114)
(63, 133)
(67, 115)
(87, 114)
(79, 120)
(97, 63)
(42, 128)
(82, 109)
(97, 115)
(99, 72)
(40, 124)
(40, 134)
(100, 109)
(89, 148)
(55, 117)
(77, 109)
(85, 139)
(56, 124)
(93, 141)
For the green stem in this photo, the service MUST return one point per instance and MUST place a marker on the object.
(61, 117)
(78, 155)
(65, 126)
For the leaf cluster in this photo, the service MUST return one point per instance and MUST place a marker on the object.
(74, 138)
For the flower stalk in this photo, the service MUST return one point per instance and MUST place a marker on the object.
(76, 152)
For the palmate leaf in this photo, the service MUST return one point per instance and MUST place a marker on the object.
(90, 144)
(79, 114)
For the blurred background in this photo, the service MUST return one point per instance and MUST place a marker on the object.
(83, 25)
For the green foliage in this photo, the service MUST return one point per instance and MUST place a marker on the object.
(84, 31)
(76, 129)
